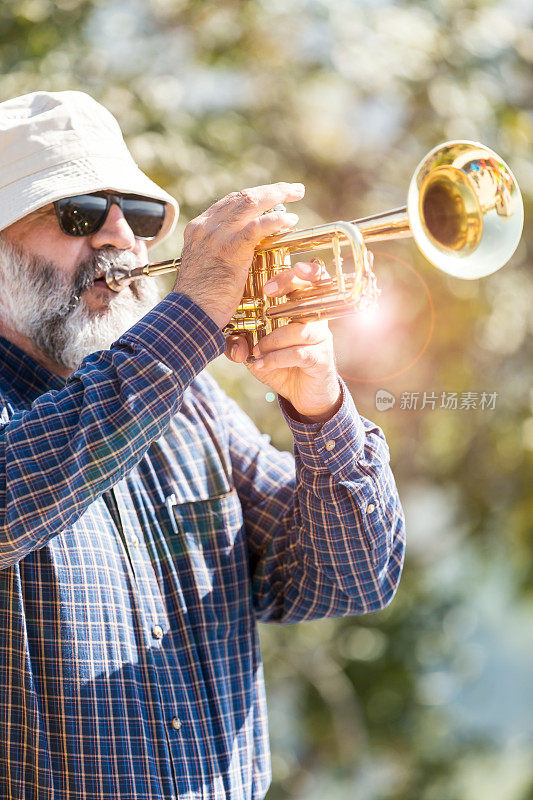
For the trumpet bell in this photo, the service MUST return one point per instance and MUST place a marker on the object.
(465, 209)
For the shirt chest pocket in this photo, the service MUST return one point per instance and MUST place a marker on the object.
(208, 546)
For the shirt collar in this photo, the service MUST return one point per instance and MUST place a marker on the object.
(21, 377)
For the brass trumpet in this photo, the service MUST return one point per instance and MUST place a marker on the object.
(464, 210)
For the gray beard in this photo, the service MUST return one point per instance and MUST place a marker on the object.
(38, 301)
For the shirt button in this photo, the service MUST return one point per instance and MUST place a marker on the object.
(134, 540)
(176, 723)
(370, 508)
(330, 444)
(157, 630)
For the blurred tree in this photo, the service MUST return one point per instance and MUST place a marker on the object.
(429, 699)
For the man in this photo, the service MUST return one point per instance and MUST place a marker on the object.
(146, 524)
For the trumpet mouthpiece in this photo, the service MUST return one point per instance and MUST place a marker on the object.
(117, 277)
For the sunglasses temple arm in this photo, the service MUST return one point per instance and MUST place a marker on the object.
(120, 276)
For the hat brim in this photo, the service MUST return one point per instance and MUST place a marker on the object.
(81, 176)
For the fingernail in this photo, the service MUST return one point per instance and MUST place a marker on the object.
(306, 269)
(299, 187)
(259, 363)
(270, 286)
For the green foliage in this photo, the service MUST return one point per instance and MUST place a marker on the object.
(428, 699)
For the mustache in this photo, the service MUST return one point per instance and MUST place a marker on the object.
(92, 268)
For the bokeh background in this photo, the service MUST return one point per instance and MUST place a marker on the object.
(431, 698)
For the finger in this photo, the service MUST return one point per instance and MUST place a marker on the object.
(293, 334)
(236, 349)
(299, 356)
(267, 224)
(244, 206)
(311, 270)
(300, 276)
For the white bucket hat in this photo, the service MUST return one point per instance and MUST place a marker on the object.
(58, 144)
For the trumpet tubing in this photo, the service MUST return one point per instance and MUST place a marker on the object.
(464, 211)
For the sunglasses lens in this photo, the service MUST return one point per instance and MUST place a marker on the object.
(84, 214)
(81, 215)
(145, 217)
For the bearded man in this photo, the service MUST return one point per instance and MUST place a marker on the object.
(146, 525)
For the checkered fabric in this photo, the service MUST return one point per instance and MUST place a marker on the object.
(146, 527)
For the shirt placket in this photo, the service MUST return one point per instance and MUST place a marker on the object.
(149, 598)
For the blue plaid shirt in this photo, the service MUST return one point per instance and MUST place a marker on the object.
(146, 527)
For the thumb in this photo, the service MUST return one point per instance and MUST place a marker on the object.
(237, 348)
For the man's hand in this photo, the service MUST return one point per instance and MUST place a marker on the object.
(296, 360)
(219, 246)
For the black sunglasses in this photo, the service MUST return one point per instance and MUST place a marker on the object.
(84, 214)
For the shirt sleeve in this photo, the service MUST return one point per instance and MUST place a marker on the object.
(77, 442)
(325, 528)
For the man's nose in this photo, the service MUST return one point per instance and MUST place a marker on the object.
(114, 232)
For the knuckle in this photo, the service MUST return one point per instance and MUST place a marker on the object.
(252, 232)
(272, 221)
(247, 198)
(314, 333)
(307, 334)
(306, 356)
(192, 228)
